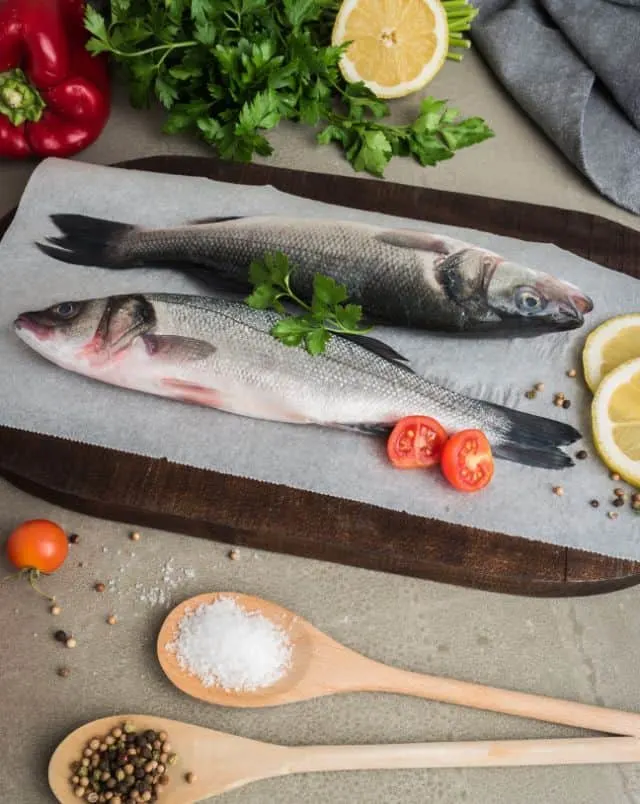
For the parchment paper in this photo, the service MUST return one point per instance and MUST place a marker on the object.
(38, 396)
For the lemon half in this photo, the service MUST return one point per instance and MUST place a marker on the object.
(397, 45)
(610, 345)
(615, 418)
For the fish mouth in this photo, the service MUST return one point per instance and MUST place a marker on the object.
(25, 321)
(581, 303)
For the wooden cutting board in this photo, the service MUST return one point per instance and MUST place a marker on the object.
(155, 493)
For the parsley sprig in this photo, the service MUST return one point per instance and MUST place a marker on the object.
(231, 70)
(328, 314)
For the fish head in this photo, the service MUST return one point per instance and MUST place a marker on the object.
(535, 300)
(83, 335)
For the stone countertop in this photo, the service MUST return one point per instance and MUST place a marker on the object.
(580, 649)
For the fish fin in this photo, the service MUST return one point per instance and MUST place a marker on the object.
(193, 393)
(176, 346)
(529, 430)
(549, 458)
(205, 221)
(420, 241)
(86, 241)
(379, 429)
(379, 348)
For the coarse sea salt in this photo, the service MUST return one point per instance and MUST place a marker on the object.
(224, 645)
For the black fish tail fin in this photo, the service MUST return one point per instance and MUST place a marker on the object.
(541, 458)
(529, 430)
(88, 241)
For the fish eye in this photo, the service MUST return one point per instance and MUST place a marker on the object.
(65, 310)
(529, 300)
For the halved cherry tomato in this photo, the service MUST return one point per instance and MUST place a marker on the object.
(467, 462)
(38, 545)
(416, 442)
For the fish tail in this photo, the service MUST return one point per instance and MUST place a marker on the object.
(541, 458)
(88, 241)
(529, 430)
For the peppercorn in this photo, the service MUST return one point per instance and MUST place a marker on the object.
(164, 757)
(636, 505)
(572, 373)
(99, 587)
(566, 404)
(190, 777)
(166, 746)
(173, 758)
(129, 728)
(619, 492)
(164, 780)
(615, 476)
(635, 497)
(61, 636)
(129, 769)
(530, 394)
(79, 792)
(594, 504)
(109, 739)
(139, 774)
(612, 514)
(63, 672)
(134, 536)
(71, 643)
(163, 736)
(74, 538)
(539, 386)
(558, 491)
(234, 555)
(117, 733)
(55, 610)
(582, 455)
(618, 502)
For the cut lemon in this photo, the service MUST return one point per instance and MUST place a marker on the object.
(397, 45)
(610, 345)
(615, 418)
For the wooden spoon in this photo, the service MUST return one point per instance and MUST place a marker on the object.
(222, 762)
(322, 666)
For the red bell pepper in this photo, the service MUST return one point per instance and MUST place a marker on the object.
(54, 96)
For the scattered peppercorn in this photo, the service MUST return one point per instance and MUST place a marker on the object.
(190, 777)
(134, 536)
(620, 493)
(55, 610)
(61, 636)
(636, 505)
(112, 619)
(618, 502)
(530, 394)
(234, 555)
(71, 643)
(635, 497)
(612, 514)
(594, 504)
(566, 404)
(582, 455)
(74, 538)
(63, 672)
(99, 587)
(572, 373)
(615, 477)
(558, 491)
(539, 386)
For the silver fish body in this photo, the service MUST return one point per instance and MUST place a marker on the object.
(221, 354)
(401, 277)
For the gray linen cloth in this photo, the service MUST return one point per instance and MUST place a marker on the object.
(574, 67)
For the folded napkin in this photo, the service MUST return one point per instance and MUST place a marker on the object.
(574, 67)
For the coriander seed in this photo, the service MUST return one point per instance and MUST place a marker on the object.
(135, 536)
(572, 373)
(558, 491)
(99, 586)
(582, 455)
(594, 504)
(566, 404)
(619, 492)
(55, 610)
(612, 514)
(74, 538)
(112, 619)
(530, 394)
(234, 555)
(615, 476)
(71, 643)
(190, 777)
(63, 672)
(539, 386)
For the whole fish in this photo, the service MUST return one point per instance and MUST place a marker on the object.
(221, 354)
(401, 277)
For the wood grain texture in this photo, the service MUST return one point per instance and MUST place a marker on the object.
(155, 493)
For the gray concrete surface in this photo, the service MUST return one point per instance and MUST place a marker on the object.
(581, 649)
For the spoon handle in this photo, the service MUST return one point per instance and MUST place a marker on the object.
(487, 754)
(494, 699)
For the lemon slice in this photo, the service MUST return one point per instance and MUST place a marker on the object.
(397, 45)
(615, 418)
(610, 345)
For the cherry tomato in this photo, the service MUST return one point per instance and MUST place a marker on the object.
(39, 545)
(467, 462)
(416, 442)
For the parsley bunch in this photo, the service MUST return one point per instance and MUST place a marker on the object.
(230, 70)
(325, 316)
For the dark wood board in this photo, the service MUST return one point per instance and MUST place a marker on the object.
(156, 493)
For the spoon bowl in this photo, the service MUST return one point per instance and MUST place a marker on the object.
(321, 666)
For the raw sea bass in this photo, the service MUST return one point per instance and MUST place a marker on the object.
(221, 354)
(401, 277)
